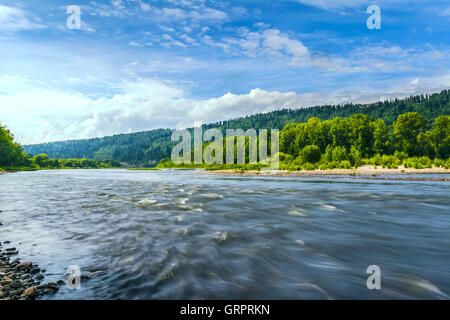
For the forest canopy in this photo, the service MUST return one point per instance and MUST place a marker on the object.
(12, 157)
(352, 142)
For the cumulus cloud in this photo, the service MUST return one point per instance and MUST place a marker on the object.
(144, 104)
(284, 47)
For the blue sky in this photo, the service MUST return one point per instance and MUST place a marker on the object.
(143, 64)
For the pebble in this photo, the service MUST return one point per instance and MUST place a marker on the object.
(39, 277)
(24, 265)
(30, 292)
(20, 280)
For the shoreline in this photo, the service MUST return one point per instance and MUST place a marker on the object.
(22, 280)
(365, 172)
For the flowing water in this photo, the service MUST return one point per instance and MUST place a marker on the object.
(187, 235)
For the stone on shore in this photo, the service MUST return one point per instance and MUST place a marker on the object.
(30, 292)
(21, 280)
(24, 265)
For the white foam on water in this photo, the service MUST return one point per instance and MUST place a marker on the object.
(183, 231)
(428, 286)
(316, 288)
(297, 213)
(146, 202)
(127, 260)
(220, 236)
(212, 196)
(331, 208)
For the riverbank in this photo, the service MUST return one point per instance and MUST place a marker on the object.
(366, 172)
(21, 280)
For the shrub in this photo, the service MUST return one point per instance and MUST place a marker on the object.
(440, 163)
(285, 158)
(339, 154)
(311, 154)
(447, 164)
(390, 162)
(377, 160)
(401, 155)
(329, 165)
(355, 157)
(309, 166)
(417, 162)
(328, 155)
(345, 164)
(298, 161)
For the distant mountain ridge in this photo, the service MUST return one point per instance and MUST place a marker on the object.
(146, 149)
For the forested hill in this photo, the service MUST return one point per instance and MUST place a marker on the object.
(148, 148)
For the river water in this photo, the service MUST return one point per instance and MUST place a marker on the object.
(188, 235)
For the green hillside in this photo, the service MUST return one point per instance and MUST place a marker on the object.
(146, 149)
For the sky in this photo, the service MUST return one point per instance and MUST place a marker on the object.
(135, 65)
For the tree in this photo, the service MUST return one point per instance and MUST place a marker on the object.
(440, 137)
(339, 154)
(381, 142)
(288, 137)
(311, 154)
(406, 132)
(11, 153)
(361, 134)
(339, 132)
(41, 160)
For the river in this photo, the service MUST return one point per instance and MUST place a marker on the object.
(188, 235)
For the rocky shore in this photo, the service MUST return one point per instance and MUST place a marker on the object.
(22, 280)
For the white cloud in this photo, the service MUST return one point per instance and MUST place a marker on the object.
(326, 4)
(208, 14)
(285, 48)
(270, 42)
(117, 8)
(166, 29)
(12, 18)
(146, 104)
(144, 7)
(340, 4)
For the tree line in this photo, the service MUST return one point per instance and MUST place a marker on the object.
(356, 140)
(342, 143)
(12, 157)
(146, 149)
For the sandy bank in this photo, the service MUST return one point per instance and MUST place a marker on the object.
(366, 172)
